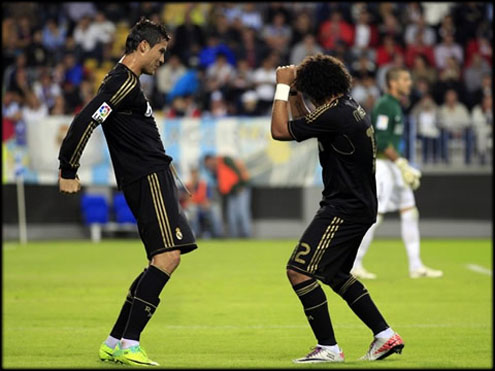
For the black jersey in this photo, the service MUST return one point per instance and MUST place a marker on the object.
(125, 114)
(347, 153)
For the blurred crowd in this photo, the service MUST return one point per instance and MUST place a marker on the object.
(222, 59)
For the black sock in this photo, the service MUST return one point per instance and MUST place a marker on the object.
(358, 298)
(145, 301)
(315, 306)
(119, 327)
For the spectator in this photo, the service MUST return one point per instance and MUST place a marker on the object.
(425, 117)
(183, 106)
(473, 77)
(37, 55)
(34, 111)
(448, 48)
(362, 67)
(301, 26)
(365, 92)
(418, 47)
(308, 46)
(86, 37)
(264, 78)
(480, 45)
(203, 208)
(251, 17)
(468, 16)
(450, 78)
(390, 27)
(218, 107)
(482, 119)
(486, 89)
(59, 106)
(365, 34)
(252, 48)
(73, 70)
(455, 122)
(46, 90)
(24, 32)
(78, 10)
(397, 61)
(11, 114)
(422, 70)
(233, 183)
(241, 81)
(187, 37)
(249, 104)
(387, 50)
(334, 29)
(435, 12)
(208, 54)
(219, 74)
(54, 36)
(277, 34)
(428, 35)
(104, 28)
(167, 76)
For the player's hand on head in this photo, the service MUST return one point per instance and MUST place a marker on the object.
(286, 74)
(69, 186)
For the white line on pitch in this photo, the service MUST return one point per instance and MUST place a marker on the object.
(479, 269)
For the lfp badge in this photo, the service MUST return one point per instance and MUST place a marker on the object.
(102, 113)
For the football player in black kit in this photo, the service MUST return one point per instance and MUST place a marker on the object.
(142, 170)
(328, 246)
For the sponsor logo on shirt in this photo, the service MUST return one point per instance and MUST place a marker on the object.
(149, 110)
(382, 122)
(102, 113)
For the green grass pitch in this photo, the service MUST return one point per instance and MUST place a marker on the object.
(229, 305)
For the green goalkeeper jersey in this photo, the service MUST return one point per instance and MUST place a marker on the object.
(388, 122)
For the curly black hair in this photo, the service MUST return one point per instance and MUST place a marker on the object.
(147, 30)
(321, 77)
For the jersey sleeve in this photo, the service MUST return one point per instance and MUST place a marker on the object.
(383, 123)
(319, 122)
(113, 93)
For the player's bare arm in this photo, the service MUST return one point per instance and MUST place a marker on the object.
(280, 114)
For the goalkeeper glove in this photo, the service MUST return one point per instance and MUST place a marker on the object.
(409, 174)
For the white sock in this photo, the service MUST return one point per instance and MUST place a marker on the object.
(111, 341)
(365, 243)
(410, 236)
(127, 343)
(385, 333)
(334, 348)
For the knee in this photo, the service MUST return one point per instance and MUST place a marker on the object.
(296, 277)
(167, 261)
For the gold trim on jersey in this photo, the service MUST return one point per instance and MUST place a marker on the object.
(312, 116)
(167, 223)
(126, 87)
(307, 289)
(167, 241)
(319, 254)
(82, 143)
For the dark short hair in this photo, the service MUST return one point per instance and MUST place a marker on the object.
(321, 77)
(393, 74)
(147, 30)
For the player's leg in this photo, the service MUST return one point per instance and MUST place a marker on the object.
(384, 190)
(335, 266)
(159, 215)
(301, 269)
(108, 346)
(409, 217)
(245, 211)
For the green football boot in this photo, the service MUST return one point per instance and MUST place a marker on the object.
(106, 352)
(134, 356)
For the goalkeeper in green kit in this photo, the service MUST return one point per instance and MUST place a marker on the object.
(395, 178)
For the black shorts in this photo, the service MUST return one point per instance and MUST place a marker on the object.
(328, 246)
(162, 225)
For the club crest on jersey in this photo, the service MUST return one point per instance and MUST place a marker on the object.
(178, 233)
(149, 110)
(102, 113)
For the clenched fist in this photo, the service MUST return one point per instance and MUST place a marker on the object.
(68, 186)
(286, 74)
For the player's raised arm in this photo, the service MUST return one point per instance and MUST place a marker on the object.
(280, 113)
